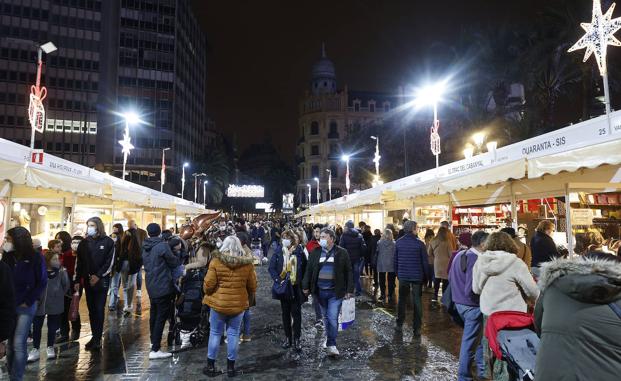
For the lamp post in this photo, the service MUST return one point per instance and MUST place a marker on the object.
(309, 194)
(329, 184)
(432, 95)
(36, 111)
(318, 195)
(205, 193)
(163, 175)
(183, 179)
(346, 158)
(126, 143)
(376, 160)
(599, 34)
(196, 176)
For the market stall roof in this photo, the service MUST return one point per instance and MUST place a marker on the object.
(41, 170)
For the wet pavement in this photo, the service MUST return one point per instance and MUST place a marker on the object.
(371, 349)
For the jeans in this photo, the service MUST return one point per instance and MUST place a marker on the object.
(16, 349)
(471, 348)
(436, 286)
(139, 282)
(416, 290)
(129, 283)
(330, 308)
(64, 319)
(317, 307)
(217, 322)
(160, 312)
(246, 322)
(356, 268)
(96, 303)
(53, 323)
(291, 309)
(391, 284)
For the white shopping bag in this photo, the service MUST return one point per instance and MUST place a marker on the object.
(347, 314)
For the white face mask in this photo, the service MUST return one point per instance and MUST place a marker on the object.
(8, 247)
(323, 243)
(74, 246)
(286, 242)
(91, 231)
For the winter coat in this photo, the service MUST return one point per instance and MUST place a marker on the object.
(201, 259)
(386, 256)
(461, 281)
(275, 269)
(159, 264)
(53, 298)
(580, 333)
(524, 252)
(67, 260)
(441, 252)
(343, 276)
(367, 236)
(29, 277)
(502, 280)
(411, 259)
(543, 248)
(7, 302)
(95, 257)
(230, 282)
(312, 245)
(353, 242)
(373, 249)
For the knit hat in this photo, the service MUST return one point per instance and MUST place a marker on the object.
(349, 224)
(465, 239)
(154, 229)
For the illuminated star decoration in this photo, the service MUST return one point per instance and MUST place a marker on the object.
(599, 34)
(126, 144)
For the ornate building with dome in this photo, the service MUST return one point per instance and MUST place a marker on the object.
(328, 116)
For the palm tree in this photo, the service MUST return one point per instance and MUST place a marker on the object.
(218, 169)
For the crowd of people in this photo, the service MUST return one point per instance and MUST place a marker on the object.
(574, 306)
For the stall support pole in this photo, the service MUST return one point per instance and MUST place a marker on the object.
(570, 238)
(514, 219)
(112, 222)
(9, 208)
(74, 206)
(63, 214)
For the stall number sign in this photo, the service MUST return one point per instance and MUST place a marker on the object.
(582, 217)
(36, 157)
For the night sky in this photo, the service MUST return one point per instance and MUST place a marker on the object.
(261, 52)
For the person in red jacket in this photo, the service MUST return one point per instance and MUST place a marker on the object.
(310, 246)
(67, 260)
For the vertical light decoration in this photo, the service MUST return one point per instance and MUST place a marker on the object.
(599, 34)
(309, 194)
(329, 183)
(127, 145)
(376, 160)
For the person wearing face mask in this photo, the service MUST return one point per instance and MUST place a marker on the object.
(68, 261)
(115, 280)
(29, 279)
(51, 304)
(290, 261)
(93, 268)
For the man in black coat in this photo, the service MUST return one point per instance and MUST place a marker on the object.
(7, 306)
(352, 241)
(542, 246)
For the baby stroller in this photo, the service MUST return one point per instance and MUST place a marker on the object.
(257, 251)
(191, 326)
(512, 338)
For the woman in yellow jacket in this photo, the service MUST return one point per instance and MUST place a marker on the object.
(229, 281)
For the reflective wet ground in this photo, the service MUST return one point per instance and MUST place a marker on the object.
(370, 350)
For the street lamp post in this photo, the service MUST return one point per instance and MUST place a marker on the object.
(36, 111)
(205, 193)
(432, 95)
(346, 158)
(329, 183)
(318, 195)
(183, 179)
(309, 194)
(163, 175)
(196, 175)
(126, 143)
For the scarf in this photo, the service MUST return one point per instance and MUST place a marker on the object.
(290, 265)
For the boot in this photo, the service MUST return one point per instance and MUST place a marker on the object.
(230, 368)
(210, 370)
(75, 335)
(287, 343)
(297, 345)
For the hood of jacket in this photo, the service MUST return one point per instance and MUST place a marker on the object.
(493, 263)
(233, 261)
(352, 233)
(151, 242)
(584, 279)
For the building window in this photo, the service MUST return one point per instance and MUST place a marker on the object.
(386, 106)
(315, 150)
(314, 128)
(314, 171)
(371, 106)
(356, 106)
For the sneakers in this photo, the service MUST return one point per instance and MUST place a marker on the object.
(33, 355)
(325, 344)
(51, 353)
(332, 351)
(127, 311)
(319, 324)
(159, 355)
(245, 338)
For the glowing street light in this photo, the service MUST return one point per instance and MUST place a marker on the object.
(599, 34)
(479, 139)
(196, 175)
(309, 194)
(345, 158)
(130, 119)
(318, 195)
(376, 160)
(36, 111)
(205, 193)
(431, 95)
(163, 174)
(329, 184)
(183, 178)
(468, 151)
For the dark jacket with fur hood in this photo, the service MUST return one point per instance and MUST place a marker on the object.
(580, 333)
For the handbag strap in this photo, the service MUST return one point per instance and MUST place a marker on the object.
(327, 258)
(616, 309)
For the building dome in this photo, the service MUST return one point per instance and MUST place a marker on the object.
(323, 75)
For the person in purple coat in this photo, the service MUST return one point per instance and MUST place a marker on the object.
(30, 279)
